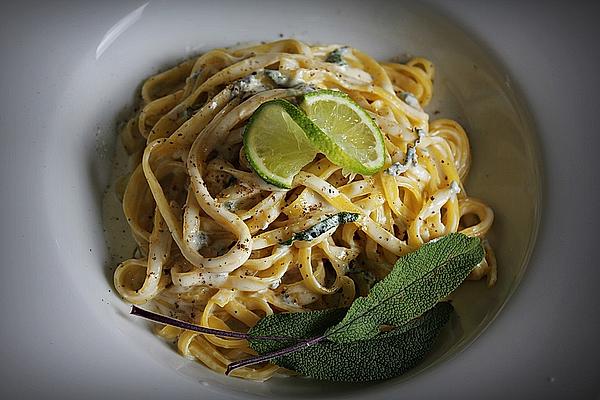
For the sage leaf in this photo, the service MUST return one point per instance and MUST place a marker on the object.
(416, 283)
(385, 356)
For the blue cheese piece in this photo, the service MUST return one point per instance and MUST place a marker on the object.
(401, 167)
(398, 167)
(248, 86)
(454, 188)
(287, 81)
(410, 99)
(278, 78)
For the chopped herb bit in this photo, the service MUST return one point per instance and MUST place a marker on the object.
(336, 56)
(320, 228)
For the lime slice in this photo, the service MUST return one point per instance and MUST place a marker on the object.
(275, 142)
(347, 135)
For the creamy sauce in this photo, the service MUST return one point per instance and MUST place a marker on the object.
(117, 234)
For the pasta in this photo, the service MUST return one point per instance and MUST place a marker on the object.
(209, 231)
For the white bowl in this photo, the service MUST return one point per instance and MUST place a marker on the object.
(98, 64)
(470, 86)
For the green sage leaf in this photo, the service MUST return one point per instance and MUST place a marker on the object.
(387, 355)
(416, 283)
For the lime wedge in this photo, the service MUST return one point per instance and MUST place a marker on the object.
(275, 142)
(347, 135)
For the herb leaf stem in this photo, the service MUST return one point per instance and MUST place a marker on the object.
(163, 319)
(269, 356)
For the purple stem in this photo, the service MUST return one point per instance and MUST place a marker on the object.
(269, 356)
(202, 329)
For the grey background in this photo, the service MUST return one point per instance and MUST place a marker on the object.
(545, 344)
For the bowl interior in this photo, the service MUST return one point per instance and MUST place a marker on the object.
(470, 86)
